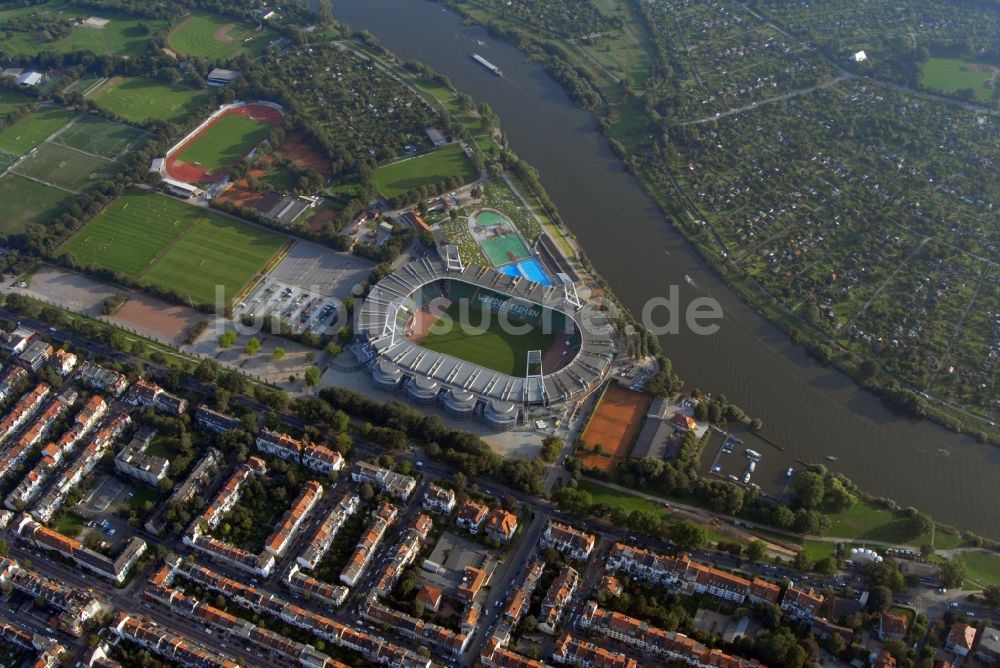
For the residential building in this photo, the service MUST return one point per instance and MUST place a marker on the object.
(278, 542)
(63, 362)
(988, 650)
(332, 596)
(471, 516)
(884, 660)
(15, 342)
(799, 604)
(105, 380)
(557, 598)
(169, 644)
(891, 626)
(215, 421)
(135, 462)
(579, 652)
(961, 639)
(76, 607)
(430, 597)
(320, 542)
(763, 592)
(439, 499)
(495, 655)
(35, 355)
(611, 585)
(390, 482)
(44, 538)
(321, 459)
(146, 393)
(501, 525)
(194, 482)
(473, 579)
(569, 541)
(358, 561)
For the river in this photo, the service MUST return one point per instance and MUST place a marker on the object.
(811, 411)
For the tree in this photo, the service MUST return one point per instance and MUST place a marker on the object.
(952, 573)
(879, 598)
(313, 375)
(227, 338)
(366, 492)
(756, 550)
(687, 534)
(826, 566)
(4, 549)
(551, 447)
(810, 488)
(278, 354)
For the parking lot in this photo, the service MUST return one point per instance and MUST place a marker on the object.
(321, 270)
(302, 310)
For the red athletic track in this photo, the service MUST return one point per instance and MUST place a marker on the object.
(188, 173)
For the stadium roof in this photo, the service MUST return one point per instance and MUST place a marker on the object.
(378, 322)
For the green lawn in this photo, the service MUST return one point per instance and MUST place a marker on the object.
(70, 524)
(65, 168)
(11, 100)
(866, 521)
(953, 74)
(185, 249)
(122, 35)
(615, 499)
(225, 142)
(407, 174)
(493, 348)
(983, 567)
(33, 129)
(217, 37)
(25, 201)
(143, 100)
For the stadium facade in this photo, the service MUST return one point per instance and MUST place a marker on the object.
(466, 389)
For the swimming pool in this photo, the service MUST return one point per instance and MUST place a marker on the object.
(531, 269)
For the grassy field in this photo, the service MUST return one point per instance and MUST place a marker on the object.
(69, 524)
(63, 167)
(983, 568)
(492, 348)
(83, 85)
(225, 142)
(122, 35)
(186, 249)
(866, 521)
(217, 37)
(100, 137)
(25, 201)
(615, 499)
(405, 175)
(143, 100)
(32, 130)
(11, 100)
(953, 74)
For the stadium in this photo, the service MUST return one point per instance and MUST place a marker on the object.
(562, 351)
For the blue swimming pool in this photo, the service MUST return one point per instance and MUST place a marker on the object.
(530, 269)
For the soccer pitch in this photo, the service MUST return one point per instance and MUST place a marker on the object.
(488, 346)
(225, 142)
(63, 167)
(161, 242)
(98, 136)
(408, 174)
(143, 100)
(32, 130)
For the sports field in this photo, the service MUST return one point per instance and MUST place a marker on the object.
(25, 201)
(407, 174)
(143, 100)
(225, 142)
(614, 426)
(954, 74)
(485, 343)
(217, 37)
(121, 35)
(32, 130)
(185, 249)
(99, 136)
(65, 167)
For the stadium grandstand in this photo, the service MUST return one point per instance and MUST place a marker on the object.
(397, 361)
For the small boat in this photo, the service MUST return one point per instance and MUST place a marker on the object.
(688, 279)
(752, 454)
(753, 466)
(788, 473)
(832, 458)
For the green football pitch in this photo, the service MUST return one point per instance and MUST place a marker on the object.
(484, 342)
(217, 37)
(225, 142)
(143, 100)
(185, 249)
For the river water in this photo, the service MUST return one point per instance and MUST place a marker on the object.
(810, 411)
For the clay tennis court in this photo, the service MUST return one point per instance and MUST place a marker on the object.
(300, 151)
(614, 426)
(190, 173)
